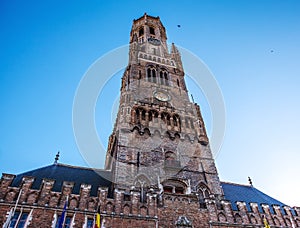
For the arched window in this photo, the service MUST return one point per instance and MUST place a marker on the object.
(161, 78)
(166, 79)
(178, 83)
(203, 192)
(154, 75)
(149, 75)
(143, 114)
(176, 120)
(153, 115)
(137, 116)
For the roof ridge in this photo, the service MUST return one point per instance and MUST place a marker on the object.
(245, 185)
(80, 167)
(64, 165)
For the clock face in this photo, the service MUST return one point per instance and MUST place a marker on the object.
(162, 96)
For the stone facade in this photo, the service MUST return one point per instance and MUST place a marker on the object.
(163, 171)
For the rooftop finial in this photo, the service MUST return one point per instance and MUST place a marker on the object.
(56, 158)
(250, 181)
(192, 98)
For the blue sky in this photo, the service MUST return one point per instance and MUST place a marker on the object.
(252, 48)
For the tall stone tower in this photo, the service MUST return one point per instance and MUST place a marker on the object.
(159, 140)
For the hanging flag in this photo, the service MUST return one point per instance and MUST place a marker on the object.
(54, 221)
(63, 215)
(266, 223)
(85, 222)
(72, 224)
(28, 220)
(97, 222)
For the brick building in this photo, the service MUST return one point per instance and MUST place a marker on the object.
(159, 169)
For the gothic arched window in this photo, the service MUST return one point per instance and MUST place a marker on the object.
(154, 75)
(161, 78)
(203, 192)
(149, 75)
(176, 120)
(166, 79)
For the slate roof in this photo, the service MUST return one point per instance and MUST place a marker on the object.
(61, 172)
(248, 194)
(97, 177)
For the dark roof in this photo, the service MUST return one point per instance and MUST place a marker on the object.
(60, 173)
(248, 194)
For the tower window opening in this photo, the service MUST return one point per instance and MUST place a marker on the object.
(154, 75)
(137, 113)
(143, 115)
(166, 79)
(178, 83)
(151, 30)
(168, 120)
(161, 78)
(141, 31)
(149, 74)
(175, 120)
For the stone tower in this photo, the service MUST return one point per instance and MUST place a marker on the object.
(159, 140)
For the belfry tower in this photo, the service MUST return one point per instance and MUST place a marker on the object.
(159, 140)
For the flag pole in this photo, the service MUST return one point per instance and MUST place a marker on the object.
(12, 212)
(19, 217)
